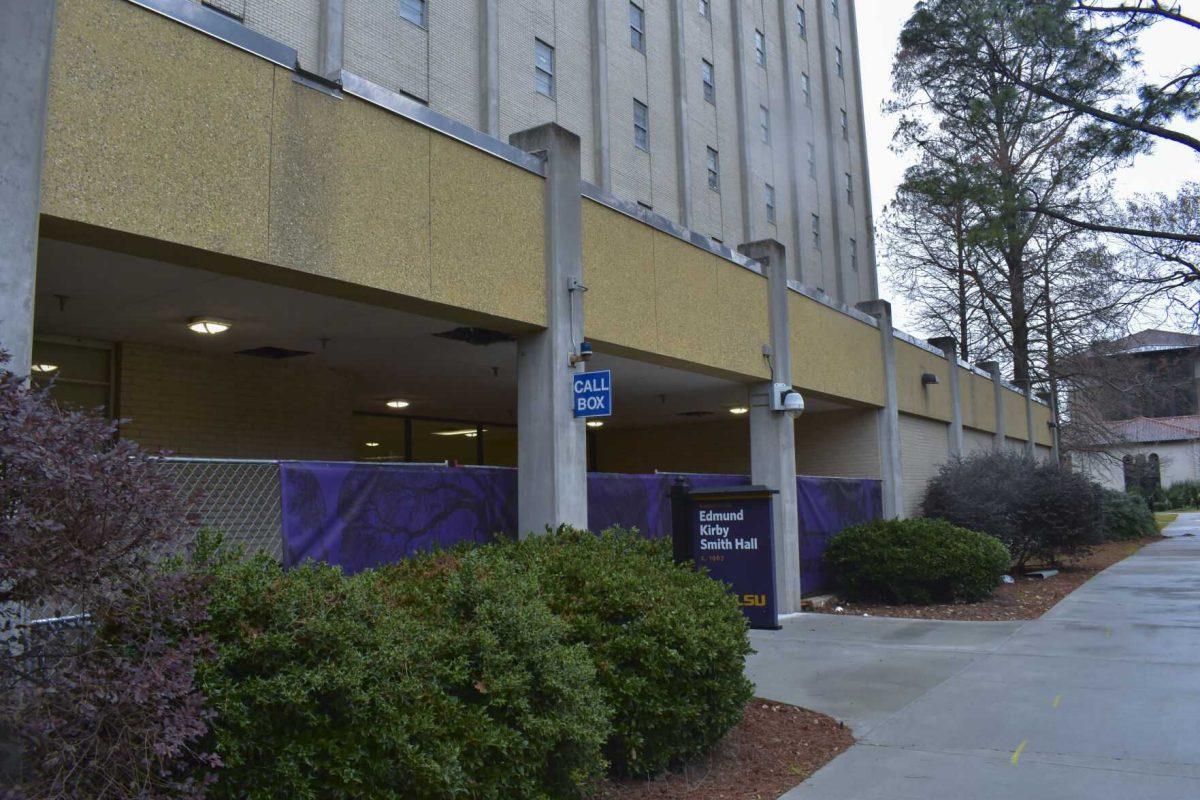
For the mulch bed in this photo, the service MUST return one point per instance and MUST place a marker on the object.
(1027, 598)
(774, 748)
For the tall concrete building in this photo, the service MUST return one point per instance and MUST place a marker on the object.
(739, 120)
(363, 231)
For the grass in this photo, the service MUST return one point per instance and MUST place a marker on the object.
(1165, 518)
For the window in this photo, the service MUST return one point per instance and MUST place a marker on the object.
(413, 11)
(769, 198)
(543, 70)
(641, 126)
(853, 254)
(849, 189)
(836, 6)
(637, 28)
(816, 231)
(764, 123)
(812, 161)
(704, 8)
(806, 86)
(837, 62)
(760, 48)
(845, 125)
(706, 75)
(801, 22)
(714, 170)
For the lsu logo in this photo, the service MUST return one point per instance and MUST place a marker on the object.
(752, 600)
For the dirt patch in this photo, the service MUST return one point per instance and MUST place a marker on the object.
(1027, 598)
(774, 748)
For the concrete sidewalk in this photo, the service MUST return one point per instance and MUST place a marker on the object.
(1098, 699)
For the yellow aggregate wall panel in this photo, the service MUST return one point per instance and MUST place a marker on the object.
(157, 130)
(709, 311)
(1014, 415)
(1041, 425)
(618, 269)
(979, 402)
(915, 398)
(487, 231)
(835, 354)
(349, 191)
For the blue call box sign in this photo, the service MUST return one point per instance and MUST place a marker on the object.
(591, 393)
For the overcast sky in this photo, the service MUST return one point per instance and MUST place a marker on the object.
(1166, 47)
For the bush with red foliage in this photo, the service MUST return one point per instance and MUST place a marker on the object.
(108, 707)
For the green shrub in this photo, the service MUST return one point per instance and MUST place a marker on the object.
(1038, 510)
(915, 561)
(327, 686)
(1184, 494)
(669, 643)
(1126, 516)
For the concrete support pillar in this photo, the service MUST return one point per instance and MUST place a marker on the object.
(331, 45)
(889, 415)
(741, 65)
(791, 105)
(683, 158)
(602, 164)
(551, 442)
(1030, 446)
(26, 38)
(773, 434)
(949, 346)
(993, 368)
(1048, 399)
(489, 67)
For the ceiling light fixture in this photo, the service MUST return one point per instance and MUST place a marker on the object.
(470, 433)
(398, 404)
(207, 326)
(739, 410)
(371, 444)
(595, 423)
(43, 367)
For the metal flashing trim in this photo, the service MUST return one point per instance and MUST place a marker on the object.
(227, 29)
(305, 79)
(816, 294)
(661, 223)
(926, 346)
(424, 115)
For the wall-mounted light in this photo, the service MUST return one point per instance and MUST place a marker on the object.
(371, 444)
(739, 410)
(928, 379)
(208, 326)
(595, 423)
(398, 404)
(43, 368)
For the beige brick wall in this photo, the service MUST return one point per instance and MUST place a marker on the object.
(838, 443)
(230, 406)
(924, 447)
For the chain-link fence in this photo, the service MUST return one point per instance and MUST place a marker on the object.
(239, 498)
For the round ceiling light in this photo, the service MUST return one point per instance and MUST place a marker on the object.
(739, 410)
(43, 367)
(207, 326)
(398, 404)
(371, 444)
(595, 423)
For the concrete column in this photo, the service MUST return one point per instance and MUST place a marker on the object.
(26, 38)
(1030, 447)
(787, 13)
(683, 158)
(833, 139)
(889, 415)
(601, 146)
(949, 346)
(551, 444)
(742, 96)
(993, 367)
(773, 434)
(489, 67)
(330, 46)
(1048, 399)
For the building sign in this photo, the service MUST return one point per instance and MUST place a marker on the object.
(591, 393)
(733, 538)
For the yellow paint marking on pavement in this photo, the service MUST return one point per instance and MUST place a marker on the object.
(1057, 700)
(1017, 753)
(1108, 632)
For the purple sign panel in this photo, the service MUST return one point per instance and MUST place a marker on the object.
(732, 537)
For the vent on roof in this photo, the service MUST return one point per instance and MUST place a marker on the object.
(273, 352)
(480, 337)
(695, 413)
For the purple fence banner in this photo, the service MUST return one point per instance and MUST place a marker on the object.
(364, 515)
(826, 506)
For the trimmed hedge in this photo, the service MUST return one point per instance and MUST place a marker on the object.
(461, 685)
(669, 643)
(1126, 517)
(1184, 494)
(915, 561)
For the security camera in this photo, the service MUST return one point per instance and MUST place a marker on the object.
(787, 400)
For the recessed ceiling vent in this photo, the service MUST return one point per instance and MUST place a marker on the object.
(275, 353)
(481, 337)
(695, 413)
